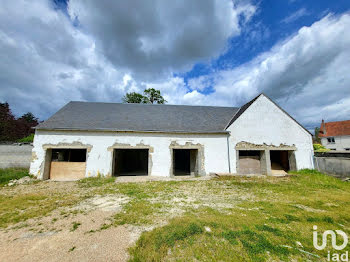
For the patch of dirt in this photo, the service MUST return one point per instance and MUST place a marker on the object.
(188, 197)
(24, 180)
(106, 245)
(113, 203)
(130, 179)
(309, 209)
(80, 233)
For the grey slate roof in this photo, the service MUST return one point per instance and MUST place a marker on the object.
(140, 117)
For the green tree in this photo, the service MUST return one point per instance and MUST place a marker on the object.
(12, 128)
(134, 97)
(29, 118)
(150, 96)
(317, 131)
(153, 96)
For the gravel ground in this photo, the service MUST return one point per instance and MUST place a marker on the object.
(108, 245)
(127, 179)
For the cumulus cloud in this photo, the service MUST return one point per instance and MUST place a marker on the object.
(307, 73)
(47, 61)
(153, 39)
(97, 51)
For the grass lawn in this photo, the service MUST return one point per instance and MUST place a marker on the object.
(11, 173)
(224, 219)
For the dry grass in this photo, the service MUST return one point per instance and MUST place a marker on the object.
(227, 219)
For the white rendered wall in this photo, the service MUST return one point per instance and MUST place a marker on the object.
(264, 123)
(99, 160)
(341, 143)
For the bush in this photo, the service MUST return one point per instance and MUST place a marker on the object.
(320, 148)
(27, 139)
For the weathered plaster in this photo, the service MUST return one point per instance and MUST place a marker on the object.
(34, 156)
(213, 148)
(250, 146)
(73, 145)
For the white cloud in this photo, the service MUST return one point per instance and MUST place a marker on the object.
(46, 61)
(307, 73)
(295, 16)
(153, 39)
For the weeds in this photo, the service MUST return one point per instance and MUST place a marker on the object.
(75, 226)
(8, 174)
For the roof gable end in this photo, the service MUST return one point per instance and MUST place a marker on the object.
(247, 105)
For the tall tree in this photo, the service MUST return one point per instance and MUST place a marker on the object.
(154, 96)
(150, 96)
(317, 132)
(25, 124)
(7, 123)
(12, 129)
(29, 118)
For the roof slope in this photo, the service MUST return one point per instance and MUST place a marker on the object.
(139, 117)
(338, 128)
(241, 110)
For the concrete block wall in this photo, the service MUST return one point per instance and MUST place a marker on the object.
(15, 156)
(335, 166)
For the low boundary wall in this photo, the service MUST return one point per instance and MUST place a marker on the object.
(333, 163)
(15, 155)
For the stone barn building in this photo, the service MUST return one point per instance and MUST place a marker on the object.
(85, 139)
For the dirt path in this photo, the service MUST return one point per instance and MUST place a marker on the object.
(78, 234)
(107, 245)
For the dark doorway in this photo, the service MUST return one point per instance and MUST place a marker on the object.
(130, 162)
(249, 162)
(279, 161)
(185, 162)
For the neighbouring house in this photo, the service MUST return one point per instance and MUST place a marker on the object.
(85, 139)
(335, 135)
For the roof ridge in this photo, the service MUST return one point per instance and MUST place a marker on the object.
(337, 121)
(114, 103)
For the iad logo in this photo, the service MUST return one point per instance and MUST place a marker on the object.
(334, 239)
(332, 256)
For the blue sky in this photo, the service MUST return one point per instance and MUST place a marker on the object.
(198, 52)
(273, 22)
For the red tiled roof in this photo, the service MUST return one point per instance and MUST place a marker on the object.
(339, 128)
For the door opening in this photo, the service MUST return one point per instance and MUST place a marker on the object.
(279, 161)
(185, 162)
(130, 162)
